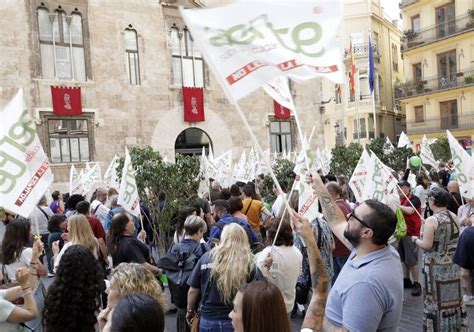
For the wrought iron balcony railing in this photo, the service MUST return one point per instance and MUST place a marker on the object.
(433, 84)
(452, 122)
(460, 24)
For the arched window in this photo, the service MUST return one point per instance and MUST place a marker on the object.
(62, 57)
(131, 50)
(190, 142)
(187, 61)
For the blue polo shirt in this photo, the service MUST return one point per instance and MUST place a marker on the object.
(368, 293)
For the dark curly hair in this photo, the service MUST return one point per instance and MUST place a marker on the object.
(16, 238)
(72, 300)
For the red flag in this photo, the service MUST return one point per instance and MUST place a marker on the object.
(66, 100)
(193, 102)
(353, 69)
(280, 111)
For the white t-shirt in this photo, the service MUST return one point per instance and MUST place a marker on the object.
(286, 268)
(6, 308)
(23, 261)
(99, 210)
(38, 215)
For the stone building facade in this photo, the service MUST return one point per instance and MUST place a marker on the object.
(129, 59)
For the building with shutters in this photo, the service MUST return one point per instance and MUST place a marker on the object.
(438, 51)
(351, 115)
(130, 59)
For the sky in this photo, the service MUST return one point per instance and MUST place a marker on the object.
(391, 9)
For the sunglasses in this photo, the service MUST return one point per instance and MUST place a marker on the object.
(352, 215)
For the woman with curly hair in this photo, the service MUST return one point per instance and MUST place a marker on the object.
(72, 301)
(218, 276)
(16, 252)
(80, 232)
(129, 278)
(124, 247)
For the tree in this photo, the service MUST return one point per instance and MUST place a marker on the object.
(345, 158)
(440, 149)
(179, 181)
(283, 170)
(396, 159)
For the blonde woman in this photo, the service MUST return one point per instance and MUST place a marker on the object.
(218, 276)
(80, 232)
(130, 278)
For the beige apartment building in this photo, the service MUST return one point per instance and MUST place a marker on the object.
(350, 118)
(130, 59)
(438, 51)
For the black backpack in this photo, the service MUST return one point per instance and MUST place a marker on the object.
(178, 265)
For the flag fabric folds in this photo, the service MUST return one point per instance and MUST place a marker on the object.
(404, 141)
(248, 43)
(25, 173)
(371, 67)
(463, 165)
(426, 154)
(128, 192)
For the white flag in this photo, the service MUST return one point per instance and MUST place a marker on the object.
(357, 181)
(379, 181)
(248, 43)
(128, 192)
(279, 90)
(463, 165)
(203, 175)
(25, 174)
(110, 176)
(239, 169)
(404, 141)
(388, 146)
(90, 178)
(75, 182)
(223, 165)
(426, 154)
(307, 200)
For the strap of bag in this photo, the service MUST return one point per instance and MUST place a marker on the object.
(97, 207)
(455, 199)
(205, 294)
(45, 214)
(248, 207)
(6, 279)
(452, 220)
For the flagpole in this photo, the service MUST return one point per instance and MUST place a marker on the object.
(357, 96)
(372, 93)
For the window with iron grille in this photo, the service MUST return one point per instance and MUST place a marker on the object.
(61, 45)
(132, 56)
(281, 136)
(69, 139)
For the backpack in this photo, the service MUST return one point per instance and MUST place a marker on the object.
(178, 265)
(247, 229)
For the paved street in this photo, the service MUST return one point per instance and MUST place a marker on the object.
(412, 316)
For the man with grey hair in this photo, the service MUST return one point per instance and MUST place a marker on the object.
(40, 216)
(98, 208)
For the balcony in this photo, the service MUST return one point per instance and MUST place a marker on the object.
(362, 50)
(434, 84)
(406, 3)
(460, 24)
(440, 124)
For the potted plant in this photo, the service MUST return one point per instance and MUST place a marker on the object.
(470, 23)
(469, 79)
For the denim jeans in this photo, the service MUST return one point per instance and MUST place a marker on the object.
(220, 325)
(338, 262)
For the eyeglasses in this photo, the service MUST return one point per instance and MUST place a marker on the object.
(352, 214)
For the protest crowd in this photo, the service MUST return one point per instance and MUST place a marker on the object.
(336, 252)
(238, 263)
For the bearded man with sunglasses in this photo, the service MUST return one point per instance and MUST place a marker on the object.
(367, 295)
